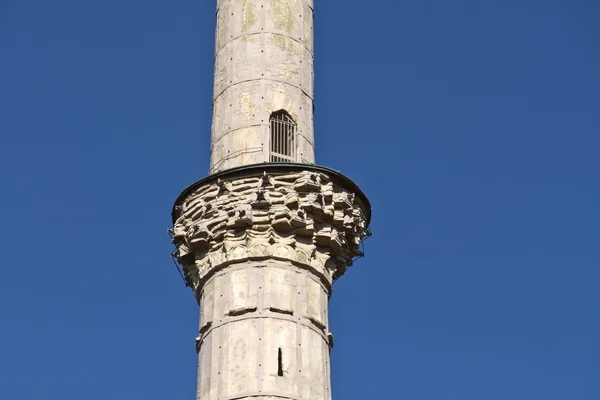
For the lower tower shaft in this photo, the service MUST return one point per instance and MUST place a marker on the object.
(261, 246)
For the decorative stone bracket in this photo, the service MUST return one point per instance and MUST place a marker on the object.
(307, 217)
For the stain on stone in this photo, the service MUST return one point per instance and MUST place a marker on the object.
(307, 32)
(249, 15)
(221, 29)
(283, 14)
(246, 106)
(286, 73)
(284, 43)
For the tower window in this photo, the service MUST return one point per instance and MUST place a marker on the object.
(279, 363)
(283, 137)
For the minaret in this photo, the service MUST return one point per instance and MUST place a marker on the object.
(263, 237)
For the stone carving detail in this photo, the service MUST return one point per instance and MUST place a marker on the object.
(300, 217)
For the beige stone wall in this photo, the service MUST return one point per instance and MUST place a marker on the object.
(261, 252)
(254, 316)
(263, 63)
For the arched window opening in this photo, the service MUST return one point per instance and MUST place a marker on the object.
(283, 137)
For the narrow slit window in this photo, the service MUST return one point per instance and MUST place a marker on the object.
(279, 363)
(283, 137)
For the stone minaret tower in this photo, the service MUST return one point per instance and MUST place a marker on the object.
(264, 236)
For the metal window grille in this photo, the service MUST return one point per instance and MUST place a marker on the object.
(283, 137)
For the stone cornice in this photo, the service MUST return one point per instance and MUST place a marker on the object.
(274, 168)
(290, 212)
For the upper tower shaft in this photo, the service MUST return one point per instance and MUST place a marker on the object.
(263, 88)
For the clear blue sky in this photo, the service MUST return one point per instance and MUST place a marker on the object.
(473, 126)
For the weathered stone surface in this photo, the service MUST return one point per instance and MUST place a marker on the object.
(263, 63)
(301, 217)
(258, 316)
(260, 243)
(261, 250)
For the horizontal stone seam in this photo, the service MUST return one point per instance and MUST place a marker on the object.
(307, 139)
(215, 269)
(262, 315)
(235, 154)
(281, 265)
(289, 83)
(241, 152)
(265, 124)
(252, 125)
(254, 33)
(262, 394)
(237, 128)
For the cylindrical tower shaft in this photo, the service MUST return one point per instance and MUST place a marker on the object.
(264, 333)
(263, 237)
(263, 65)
